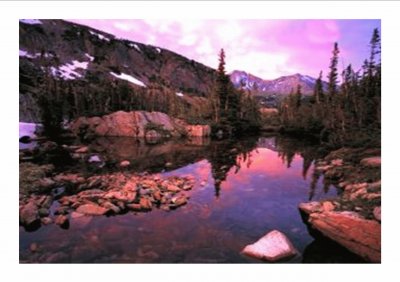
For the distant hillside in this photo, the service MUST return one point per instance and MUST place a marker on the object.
(269, 92)
(79, 54)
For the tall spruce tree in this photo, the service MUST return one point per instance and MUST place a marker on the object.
(333, 73)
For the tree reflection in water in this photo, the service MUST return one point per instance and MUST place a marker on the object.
(225, 155)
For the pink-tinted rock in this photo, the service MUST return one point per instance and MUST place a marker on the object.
(371, 162)
(274, 246)
(360, 236)
(91, 209)
(29, 214)
(198, 130)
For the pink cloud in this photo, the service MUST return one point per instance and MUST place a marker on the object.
(266, 48)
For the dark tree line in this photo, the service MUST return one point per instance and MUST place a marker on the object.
(234, 111)
(345, 114)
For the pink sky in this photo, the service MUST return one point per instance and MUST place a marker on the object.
(265, 48)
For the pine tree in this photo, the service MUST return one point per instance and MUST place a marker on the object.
(318, 90)
(333, 74)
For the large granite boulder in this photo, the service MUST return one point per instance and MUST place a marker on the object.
(136, 124)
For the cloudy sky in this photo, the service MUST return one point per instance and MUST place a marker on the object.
(265, 48)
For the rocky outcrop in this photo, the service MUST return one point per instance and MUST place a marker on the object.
(353, 218)
(137, 124)
(198, 130)
(274, 246)
(360, 236)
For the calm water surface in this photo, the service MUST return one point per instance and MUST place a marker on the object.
(244, 189)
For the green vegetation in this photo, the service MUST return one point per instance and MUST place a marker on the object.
(31, 177)
(346, 115)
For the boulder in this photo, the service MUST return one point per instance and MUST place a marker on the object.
(371, 162)
(152, 136)
(129, 124)
(61, 220)
(358, 235)
(377, 213)
(198, 130)
(273, 247)
(311, 207)
(91, 209)
(29, 214)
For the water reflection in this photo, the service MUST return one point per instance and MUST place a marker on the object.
(251, 186)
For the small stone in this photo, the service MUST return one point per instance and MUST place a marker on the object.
(134, 207)
(33, 247)
(371, 162)
(91, 209)
(94, 159)
(203, 183)
(61, 210)
(145, 204)
(337, 162)
(311, 207)
(328, 206)
(111, 206)
(29, 214)
(179, 201)
(377, 213)
(173, 188)
(168, 164)
(61, 220)
(43, 212)
(274, 246)
(46, 220)
(82, 150)
(124, 164)
(76, 215)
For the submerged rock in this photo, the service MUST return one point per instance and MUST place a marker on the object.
(273, 247)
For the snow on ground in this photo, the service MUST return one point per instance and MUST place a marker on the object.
(129, 78)
(91, 58)
(23, 53)
(180, 94)
(158, 50)
(27, 129)
(137, 47)
(67, 71)
(100, 36)
(30, 21)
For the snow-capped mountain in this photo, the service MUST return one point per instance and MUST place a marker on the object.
(281, 86)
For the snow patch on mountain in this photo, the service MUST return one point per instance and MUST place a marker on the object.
(129, 78)
(26, 54)
(67, 71)
(158, 50)
(137, 47)
(100, 36)
(30, 21)
(180, 94)
(91, 58)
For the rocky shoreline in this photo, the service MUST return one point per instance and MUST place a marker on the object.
(106, 194)
(353, 219)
